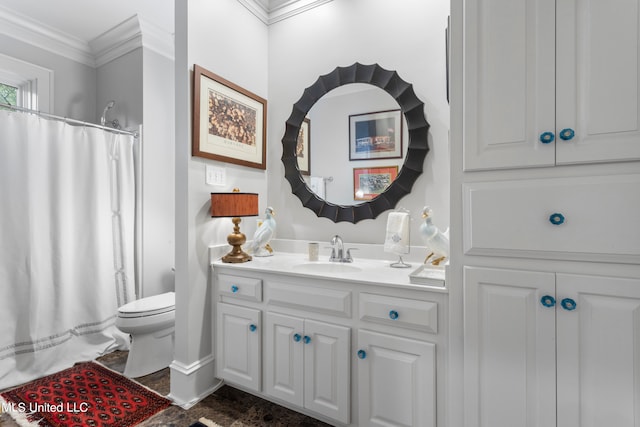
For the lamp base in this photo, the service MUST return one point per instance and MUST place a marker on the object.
(237, 256)
(236, 240)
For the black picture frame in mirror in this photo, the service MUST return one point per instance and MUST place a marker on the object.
(418, 147)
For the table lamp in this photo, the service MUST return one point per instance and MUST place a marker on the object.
(235, 205)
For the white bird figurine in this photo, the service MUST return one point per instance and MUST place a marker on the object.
(260, 244)
(436, 241)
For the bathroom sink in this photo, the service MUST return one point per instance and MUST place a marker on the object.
(322, 267)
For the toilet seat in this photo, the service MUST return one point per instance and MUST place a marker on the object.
(149, 306)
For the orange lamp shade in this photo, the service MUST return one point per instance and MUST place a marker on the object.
(234, 204)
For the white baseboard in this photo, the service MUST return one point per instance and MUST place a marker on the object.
(190, 383)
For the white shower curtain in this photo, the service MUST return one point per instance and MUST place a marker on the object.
(67, 219)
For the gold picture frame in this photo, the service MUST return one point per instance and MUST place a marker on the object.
(229, 122)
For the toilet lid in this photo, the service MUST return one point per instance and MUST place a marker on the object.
(149, 306)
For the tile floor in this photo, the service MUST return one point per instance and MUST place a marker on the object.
(227, 407)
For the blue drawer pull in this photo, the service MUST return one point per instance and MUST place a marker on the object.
(297, 337)
(556, 219)
(253, 327)
(548, 301)
(568, 304)
(547, 137)
(362, 354)
(567, 134)
(393, 315)
(234, 289)
(306, 339)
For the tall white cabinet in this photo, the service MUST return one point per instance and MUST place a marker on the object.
(544, 347)
(546, 112)
(550, 82)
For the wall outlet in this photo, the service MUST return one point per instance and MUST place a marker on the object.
(215, 175)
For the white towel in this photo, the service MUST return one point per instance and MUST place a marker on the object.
(397, 238)
(317, 185)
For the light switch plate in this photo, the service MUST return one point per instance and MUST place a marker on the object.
(215, 175)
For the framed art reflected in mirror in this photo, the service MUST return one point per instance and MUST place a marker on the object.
(375, 135)
(303, 148)
(368, 183)
(229, 122)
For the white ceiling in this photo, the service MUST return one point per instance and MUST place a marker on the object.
(87, 19)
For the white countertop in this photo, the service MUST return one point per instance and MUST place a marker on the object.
(362, 270)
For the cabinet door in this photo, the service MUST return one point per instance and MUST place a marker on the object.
(284, 358)
(509, 80)
(239, 345)
(396, 381)
(509, 348)
(327, 369)
(598, 351)
(598, 80)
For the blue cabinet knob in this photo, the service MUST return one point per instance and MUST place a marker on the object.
(252, 327)
(548, 301)
(568, 304)
(234, 289)
(556, 219)
(567, 134)
(547, 137)
(297, 337)
(393, 315)
(306, 339)
(362, 354)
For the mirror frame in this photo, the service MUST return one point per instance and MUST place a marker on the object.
(417, 125)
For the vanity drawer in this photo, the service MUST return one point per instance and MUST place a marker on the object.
(313, 298)
(240, 287)
(402, 312)
(578, 218)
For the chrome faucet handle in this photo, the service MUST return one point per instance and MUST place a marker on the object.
(349, 258)
(332, 257)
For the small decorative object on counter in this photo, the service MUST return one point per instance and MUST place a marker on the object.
(260, 245)
(436, 241)
(314, 251)
(397, 237)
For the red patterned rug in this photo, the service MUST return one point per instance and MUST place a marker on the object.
(87, 394)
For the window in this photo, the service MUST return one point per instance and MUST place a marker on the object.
(25, 84)
(8, 94)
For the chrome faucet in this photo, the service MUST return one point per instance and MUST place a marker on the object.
(337, 251)
(336, 242)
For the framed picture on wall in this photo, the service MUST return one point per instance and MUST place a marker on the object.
(229, 122)
(303, 148)
(369, 182)
(375, 135)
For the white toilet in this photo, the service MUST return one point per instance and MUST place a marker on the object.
(151, 322)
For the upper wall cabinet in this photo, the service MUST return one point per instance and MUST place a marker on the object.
(550, 82)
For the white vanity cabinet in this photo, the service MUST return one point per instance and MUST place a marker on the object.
(396, 380)
(238, 330)
(397, 373)
(550, 82)
(348, 352)
(308, 364)
(239, 345)
(551, 350)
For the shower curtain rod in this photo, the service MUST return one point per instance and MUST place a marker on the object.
(135, 134)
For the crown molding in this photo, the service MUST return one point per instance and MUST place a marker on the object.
(129, 35)
(37, 34)
(270, 15)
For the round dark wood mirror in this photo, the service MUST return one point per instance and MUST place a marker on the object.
(412, 109)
